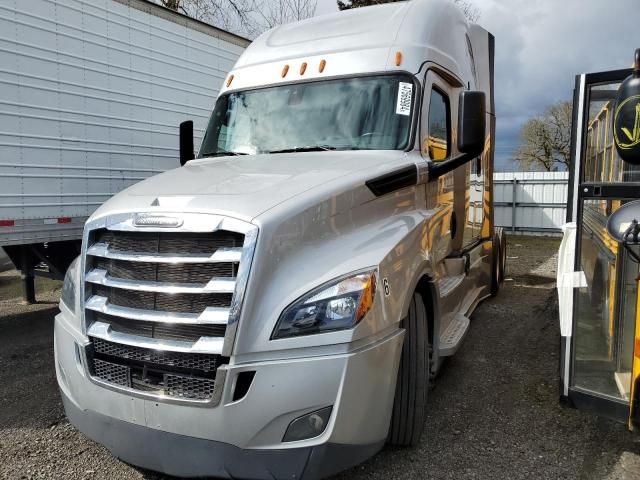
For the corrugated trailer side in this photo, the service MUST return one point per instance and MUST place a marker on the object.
(91, 96)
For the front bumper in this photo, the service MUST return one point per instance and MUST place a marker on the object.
(241, 439)
(186, 456)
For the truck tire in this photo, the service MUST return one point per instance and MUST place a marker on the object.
(409, 406)
(498, 261)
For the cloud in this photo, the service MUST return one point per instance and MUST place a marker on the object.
(541, 45)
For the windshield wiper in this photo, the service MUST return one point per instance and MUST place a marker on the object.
(222, 153)
(308, 148)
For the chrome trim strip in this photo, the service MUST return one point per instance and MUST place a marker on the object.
(248, 249)
(224, 254)
(215, 285)
(212, 345)
(192, 222)
(210, 315)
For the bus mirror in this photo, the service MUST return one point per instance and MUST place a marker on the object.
(626, 117)
(186, 142)
(623, 223)
(471, 122)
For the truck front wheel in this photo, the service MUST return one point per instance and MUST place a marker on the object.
(409, 406)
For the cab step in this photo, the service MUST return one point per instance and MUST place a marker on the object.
(448, 284)
(452, 337)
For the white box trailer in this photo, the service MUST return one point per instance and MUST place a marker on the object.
(91, 96)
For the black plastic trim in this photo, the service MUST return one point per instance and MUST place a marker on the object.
(438, 169)
(605, 407)
(392, 181)
(492, 54)
(618, 190)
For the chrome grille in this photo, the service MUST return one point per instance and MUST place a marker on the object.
(169, 242)
(190, 361)
(166, 302)
(171, 272)
(161, 303)
(172, 331)
(143, 271)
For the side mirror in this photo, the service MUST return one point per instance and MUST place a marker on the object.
(623, 223)
(186, 142)
(626, 116)
(471, 122)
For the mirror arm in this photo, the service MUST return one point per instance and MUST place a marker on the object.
(440, 168)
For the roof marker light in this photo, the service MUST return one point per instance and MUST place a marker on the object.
(303, 68)
(285, 70)
(322, 65)
(398, 59)
(229, 80)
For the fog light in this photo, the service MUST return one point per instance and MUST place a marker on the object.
(308, 426)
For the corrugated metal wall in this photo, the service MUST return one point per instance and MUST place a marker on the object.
(91, 95)
(530, 202)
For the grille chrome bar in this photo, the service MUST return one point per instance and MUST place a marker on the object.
(103, 331)
(210, 315)
(215, 285)
(223, 254)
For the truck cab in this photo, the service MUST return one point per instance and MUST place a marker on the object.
(276, 307)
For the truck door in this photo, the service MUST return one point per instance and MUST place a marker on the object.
(447, 195)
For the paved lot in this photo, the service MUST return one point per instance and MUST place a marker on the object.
(493, 413)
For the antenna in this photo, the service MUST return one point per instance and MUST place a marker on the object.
(636, 63)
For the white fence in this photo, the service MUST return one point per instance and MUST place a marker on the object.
(530, 202)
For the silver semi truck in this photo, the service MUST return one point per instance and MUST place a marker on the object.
(276, 307)
(91, 95)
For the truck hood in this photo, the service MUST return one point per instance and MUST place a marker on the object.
(247, 186)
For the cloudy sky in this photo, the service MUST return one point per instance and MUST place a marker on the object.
(541, 45)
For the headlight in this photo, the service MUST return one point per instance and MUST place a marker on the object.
(69, 287)
(337, 306)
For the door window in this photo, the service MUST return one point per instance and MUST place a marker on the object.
(437, 142)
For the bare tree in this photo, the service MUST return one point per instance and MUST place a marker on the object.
(249, 17)
(546, 139)
(285, 11)
(468, 8)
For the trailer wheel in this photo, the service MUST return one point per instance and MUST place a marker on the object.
(409, 406)
(498, 261)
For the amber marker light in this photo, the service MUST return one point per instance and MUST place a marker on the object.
(303, 68)
(285, 70)
(229, 80)
(366, 301)
(322, 65)
(398, 59)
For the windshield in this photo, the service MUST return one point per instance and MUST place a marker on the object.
(372, 113)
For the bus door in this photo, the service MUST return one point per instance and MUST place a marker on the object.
(598, 363)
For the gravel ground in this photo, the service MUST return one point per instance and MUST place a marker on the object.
(493, 412)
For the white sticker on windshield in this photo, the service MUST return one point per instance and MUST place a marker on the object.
(405, 91)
